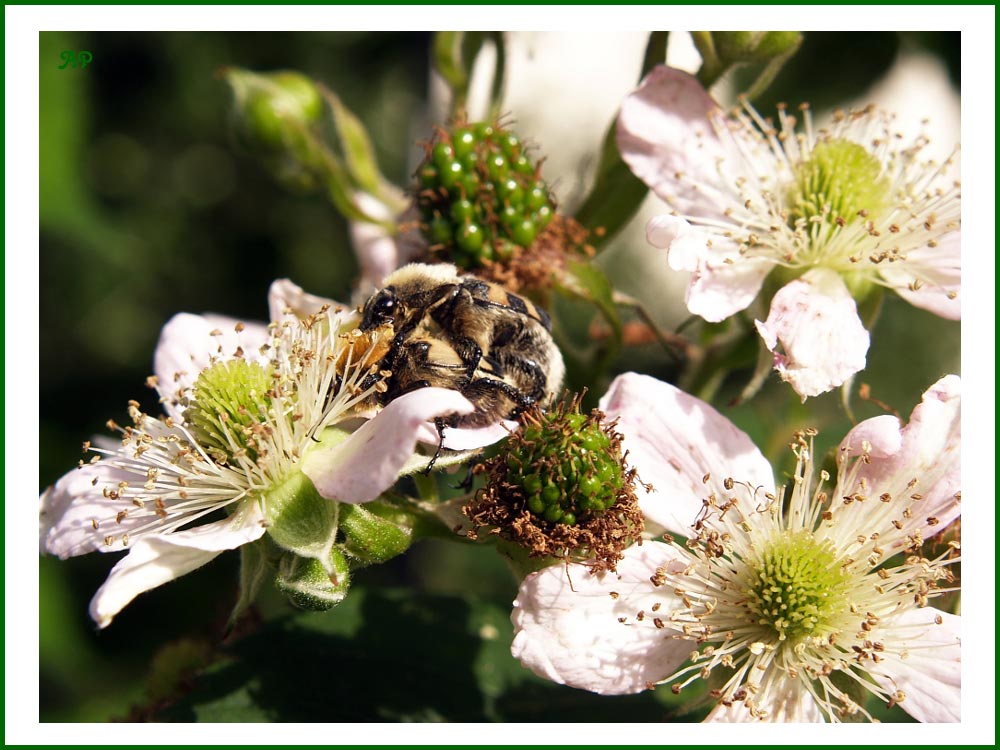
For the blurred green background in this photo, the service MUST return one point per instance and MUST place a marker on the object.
(147, 209)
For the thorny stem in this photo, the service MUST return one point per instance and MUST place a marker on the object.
(676, 345)
(711, 67)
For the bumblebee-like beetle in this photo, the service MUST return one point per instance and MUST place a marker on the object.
(466, 334)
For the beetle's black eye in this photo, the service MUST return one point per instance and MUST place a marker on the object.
(379, 309)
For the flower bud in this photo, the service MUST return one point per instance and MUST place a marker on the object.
(274, 114)
(274, 108)
(754, 46)
(561, 488)
(375, 532)
(310, 584)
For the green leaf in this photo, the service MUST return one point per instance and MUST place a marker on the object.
(615, 197)
(589, 282)
(391, 655)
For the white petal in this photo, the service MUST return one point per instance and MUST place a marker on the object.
(188, 344)
(68, 510)
(155, 560)
(285, 295)
(939, 273)
(674, 440)
(368, 462)
(928, 450)
(470, 438)
(815, 323)
(717, 288)
(567, 628)
(793, 705)
(664, 131)
(931, 673)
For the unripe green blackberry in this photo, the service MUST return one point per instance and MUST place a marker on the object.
(561, 487)
(568, 473)
(479, 195)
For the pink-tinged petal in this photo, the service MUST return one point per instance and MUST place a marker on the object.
(579, 629)
(919, 464)
(793, 705)
(188, 344)
(155, 560)
(931, 673)
(368, 462)
(69, 510)
(722, 282)
(674, 440)
(815, 333)
(665, 137)
(379, 251)
(285, 294)
(936, 274)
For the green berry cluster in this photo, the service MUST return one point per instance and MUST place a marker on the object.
(480, 195)
(569, 468)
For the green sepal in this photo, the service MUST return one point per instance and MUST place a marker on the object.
(519, 560)
(375, 532)
(722, 50)
(453, 55)
(301, 521)
(418, 462)
(253, 569)
(870, 306)
(359, 154)
(313, 584)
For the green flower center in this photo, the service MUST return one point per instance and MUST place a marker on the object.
(841, 175)
(229, 406)
(795, 587)
(568, 468)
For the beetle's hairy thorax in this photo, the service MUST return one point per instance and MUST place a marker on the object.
(468, 335)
